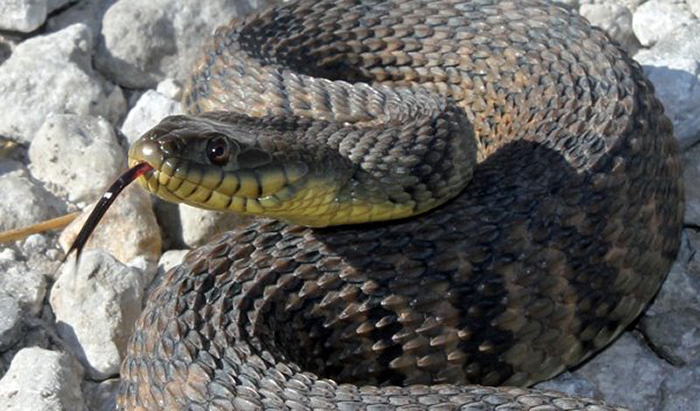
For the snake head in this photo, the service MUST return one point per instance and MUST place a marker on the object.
(212, 165)
(237, 165)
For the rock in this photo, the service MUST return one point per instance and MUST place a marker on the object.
(655, 19)
(26, 286)
(127, 230)
(78, 155)
(24, 16)
(199, 226)
(67, 83)
(42, 380)
(149, 110)
(35, 244)
(101, 396)
(694, 6)
(10, 322)
(96, 310)
(88, 12)
(673, 65)
(679, 391)
(616, 20)
(24, 202)
(630, 364)
(681, 289)
(144, 42)
(170, 88)
(691, 177)
(675, 335)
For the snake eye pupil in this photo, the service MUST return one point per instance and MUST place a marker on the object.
(218, 150)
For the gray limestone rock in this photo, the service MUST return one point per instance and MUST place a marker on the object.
(42, 380)
(79, 156)
(24, 202)
(673, 66)
(53, 74)
(144, 42)
(96, 310)
(655, 19)
(149, 110)
(10, 322)
(128, 230)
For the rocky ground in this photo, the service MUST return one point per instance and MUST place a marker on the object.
(80, 80)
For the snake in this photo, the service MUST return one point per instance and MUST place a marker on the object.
(456, 199)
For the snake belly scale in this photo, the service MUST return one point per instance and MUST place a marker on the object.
(527, 179)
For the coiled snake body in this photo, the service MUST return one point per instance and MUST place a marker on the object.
(530, 178)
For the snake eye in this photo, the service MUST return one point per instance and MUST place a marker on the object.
(218, 150)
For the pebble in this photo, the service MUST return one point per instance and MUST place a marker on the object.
(26, 286)
(672, 65)
(616, 20)
(146, 42)
(149, 110)
(128, 229)
(42, 380)
(199, 226)
(91, 157)
(10, 322)
(656, 19)
(24, 16)
(96, 309)
(27, 202)
(67, 83)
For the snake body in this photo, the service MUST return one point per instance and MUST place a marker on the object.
(567, 226)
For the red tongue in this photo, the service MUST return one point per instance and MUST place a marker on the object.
(107, 199)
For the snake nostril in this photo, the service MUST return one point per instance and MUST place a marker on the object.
(170, 145)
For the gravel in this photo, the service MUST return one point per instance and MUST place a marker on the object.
(79, 80)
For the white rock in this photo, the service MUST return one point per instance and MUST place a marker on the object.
(23, 202)
(88, 12)
(149, 110)
(42, 380)
(199, 226)
(170, 88)
(170, 259)
(96, 310)
(145, 42)
(79, 155)
(22, 15)
(128, 229)
(26, 286)
(673, 65)
(616, 20)
(53, 74)
(10, 322)
(655, 19)
(694, 6)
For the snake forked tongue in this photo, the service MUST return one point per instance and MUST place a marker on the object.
(101, 208)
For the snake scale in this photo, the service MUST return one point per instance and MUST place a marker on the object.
(528, 180)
